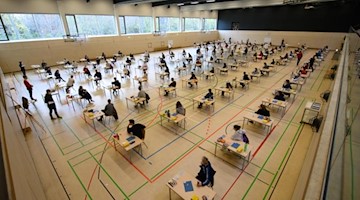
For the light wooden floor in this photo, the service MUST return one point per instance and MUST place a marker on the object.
(90, 168)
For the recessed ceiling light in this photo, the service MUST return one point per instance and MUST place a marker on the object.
(180, 4)
(210, 1)
(194, 2)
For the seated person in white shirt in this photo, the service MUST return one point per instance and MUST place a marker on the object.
(239, 133)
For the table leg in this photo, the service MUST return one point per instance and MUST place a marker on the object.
(243, 122)
(94, 123)
(169, 193)
(127, 104)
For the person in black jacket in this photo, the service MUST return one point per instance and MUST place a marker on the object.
(279, 96)
(263, 111)
(97, 77)
(208, 96)
(51, 104)
(172, 84)
(206, 173)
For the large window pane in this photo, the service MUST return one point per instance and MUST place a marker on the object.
(137, 24)
(192, 24)
(210, 24)
(96, 24)
(32, 26)
(122, 25)
(168, 24)
(2, 33)
(70, 19)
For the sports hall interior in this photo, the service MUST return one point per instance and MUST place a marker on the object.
(76, 157)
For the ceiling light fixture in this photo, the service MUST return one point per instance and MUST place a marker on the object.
(194, 2)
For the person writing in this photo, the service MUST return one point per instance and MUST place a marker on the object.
(97, 77)
(109, 111)
(209, 96)
(116, 85)
(84, 94)
(172, 85)
(245, 78)
(136, 129)
(192, 79)
(287, 85)
(263, 111)
(227, 86)
(180, 109)
(239, 134)
(206, 174)
(58, 76)
(279, 96)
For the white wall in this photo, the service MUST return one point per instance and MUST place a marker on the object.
(311, 39)
(28, 6)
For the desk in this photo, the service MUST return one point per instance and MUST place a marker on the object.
(92, 115)
(207, 75)
(311, 111)
(222, 70)
(124, 140)
(200, 99)
(168, 89)
(110, 88)
(135, 100)
(280, 104)
(305, 76)
(234, 66)
(267, 71)
(298, 83)
(259, 119)
(59, 86)
(176, 184)
(82, 60)
(227, 145)
(257, 76)
(225, 90)
(140, 80)
(245, 82)
(192, 81)
(35, 66)
(176, 119)
(287, 91)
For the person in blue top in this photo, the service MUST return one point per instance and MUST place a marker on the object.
(206, 173)
(208, 96)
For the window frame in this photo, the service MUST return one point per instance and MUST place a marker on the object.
(4, 29)
(204, 22)
(125, 32)
(184, 24)
(157, 23)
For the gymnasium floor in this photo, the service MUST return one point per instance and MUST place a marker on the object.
(90, 168)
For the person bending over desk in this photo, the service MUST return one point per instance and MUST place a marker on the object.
(172, 84)
(245, 78)
(279, 96)
(180, 109)
(193, 77)
(58, 76)
(208, 96)
(206, 173)
(116, 85)
(287, 85)
(109, 111)
(84, 94)
(263, 111)
(87, 71)
(228, 86)
(98, 77)
(239, 134)
(136, 129)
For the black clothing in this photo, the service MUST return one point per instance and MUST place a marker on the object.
(137, 130)
(51, 105)
(263, 112)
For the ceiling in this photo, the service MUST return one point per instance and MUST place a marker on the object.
(218, 4)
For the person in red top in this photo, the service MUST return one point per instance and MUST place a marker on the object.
(299, 56)
(28, 87)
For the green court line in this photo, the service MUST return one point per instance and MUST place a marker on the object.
(52, 136)
(272, 151)
(137, 189)
(99, 164)
(63, 121)
(81, 183)
(321, 71)
(174, 161)
(283, 160)
(90, 156)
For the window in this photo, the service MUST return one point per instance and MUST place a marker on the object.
(167, 24)
(192, 24)
(3, 35)
(32, 26)
(209, 24)
(91, 24)
(136, 24)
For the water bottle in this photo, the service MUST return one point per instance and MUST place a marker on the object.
(245, 148)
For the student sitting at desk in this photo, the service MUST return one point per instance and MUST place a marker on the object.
(263, 111)
(142, 94)
(192, 78)
(209, 96)
(97, 61)
(120, 53)
(272, 62)
(163, 56)
(287, 85)
(97, 77)
(84, 94)
(206, 173)
(128, 61)
(212, 70)
(256, 72)
(239, 134)
(70, 83)
(136, 129)
(48, 70)
(266, 66)
(245, 78)
(172, 84)
(172, 55)
(189, 58)
(58, 76)
(228, 86)
(126, 72)
(132, 56)
(109, 110)
(180, 108)
(184, 53)
(86, 71)
(224, 66)
(303, 71)
(279, 96)
(116, 85)
(43, 64)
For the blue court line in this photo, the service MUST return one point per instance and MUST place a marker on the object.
(181, 136)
